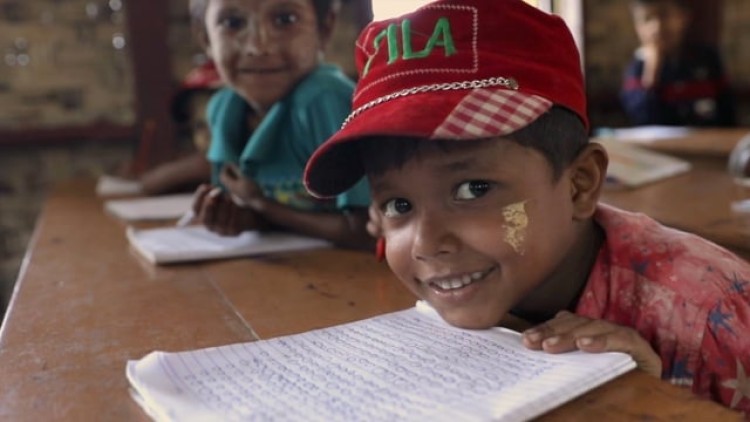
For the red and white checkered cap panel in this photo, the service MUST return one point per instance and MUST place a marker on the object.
(485, 113)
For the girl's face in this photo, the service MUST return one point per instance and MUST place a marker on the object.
(262, 48)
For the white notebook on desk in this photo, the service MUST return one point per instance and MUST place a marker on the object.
(108, 186)
(169, 245)
(153, 208)
(633, 166)
(404, 366)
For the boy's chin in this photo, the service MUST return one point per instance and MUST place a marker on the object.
(469, 319)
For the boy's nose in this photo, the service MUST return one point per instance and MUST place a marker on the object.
(255, 40)
(432, 238)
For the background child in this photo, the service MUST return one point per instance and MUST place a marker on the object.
(280, 104)
(670, 81)
(191, 169)
(486, 193)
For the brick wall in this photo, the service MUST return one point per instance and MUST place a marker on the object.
(60, 68)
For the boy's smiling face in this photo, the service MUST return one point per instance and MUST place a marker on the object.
(262, 48)
(475, 229)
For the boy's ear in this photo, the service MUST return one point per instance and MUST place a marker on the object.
(587, 174)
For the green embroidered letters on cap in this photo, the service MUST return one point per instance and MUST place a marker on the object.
(441, 37)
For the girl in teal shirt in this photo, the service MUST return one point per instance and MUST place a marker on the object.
(280, 103)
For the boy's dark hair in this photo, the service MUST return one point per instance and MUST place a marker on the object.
(558, 134)
(322, 8)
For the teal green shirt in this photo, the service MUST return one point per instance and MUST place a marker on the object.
(275, 154)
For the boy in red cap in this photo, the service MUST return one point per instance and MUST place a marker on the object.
(469, 121)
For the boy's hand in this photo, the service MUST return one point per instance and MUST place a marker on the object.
(653, 59)
(567, 331)
(244, 191)
(220, 214)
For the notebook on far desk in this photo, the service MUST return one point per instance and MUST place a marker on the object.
(153, 208)
(405, 366)
(631, 166)
(170, 245)
(108, 186)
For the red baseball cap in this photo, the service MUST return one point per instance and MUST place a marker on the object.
(453, 69)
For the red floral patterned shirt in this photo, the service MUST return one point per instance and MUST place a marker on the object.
(685, 295)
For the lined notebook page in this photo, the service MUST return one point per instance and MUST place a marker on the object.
(407, 365)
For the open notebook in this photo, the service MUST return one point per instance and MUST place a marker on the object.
(632, 166)
(407, 365)
(108, 185)
(195, 243)
(164, 207)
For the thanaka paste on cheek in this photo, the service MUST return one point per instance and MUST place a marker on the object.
(517, 222)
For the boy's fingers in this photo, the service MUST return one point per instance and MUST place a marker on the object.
(561, 325)
(210, 208)
(198, 198)
(574, 336)
(625, 340)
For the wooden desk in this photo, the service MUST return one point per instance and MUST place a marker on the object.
(698, 142)
(84, 305)
(698, 201)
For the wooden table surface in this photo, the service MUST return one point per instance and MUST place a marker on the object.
(84, 304)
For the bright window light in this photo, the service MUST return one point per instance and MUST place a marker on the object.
(386, 9)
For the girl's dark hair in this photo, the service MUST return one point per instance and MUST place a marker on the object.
(558, 134)
(322, 8)
(684, 4)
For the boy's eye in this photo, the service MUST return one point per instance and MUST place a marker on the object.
(285, 19)
(396, 207)
(232, 23)
(472, 190)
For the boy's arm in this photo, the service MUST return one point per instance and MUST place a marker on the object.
(567, 332)
(191, 169)
(723, 370)
(641, 104)
(345, 228)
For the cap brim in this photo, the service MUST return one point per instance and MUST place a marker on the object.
(337, 165)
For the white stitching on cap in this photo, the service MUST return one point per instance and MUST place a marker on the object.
(509, 83)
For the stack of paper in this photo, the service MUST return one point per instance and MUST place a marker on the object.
(195, 243)
(117, 186)
(156, 208)
(407, 365)
(646, 134)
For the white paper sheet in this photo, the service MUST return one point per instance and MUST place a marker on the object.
(196, 243)
(117, 186)
(407, 365)
(154, 208)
